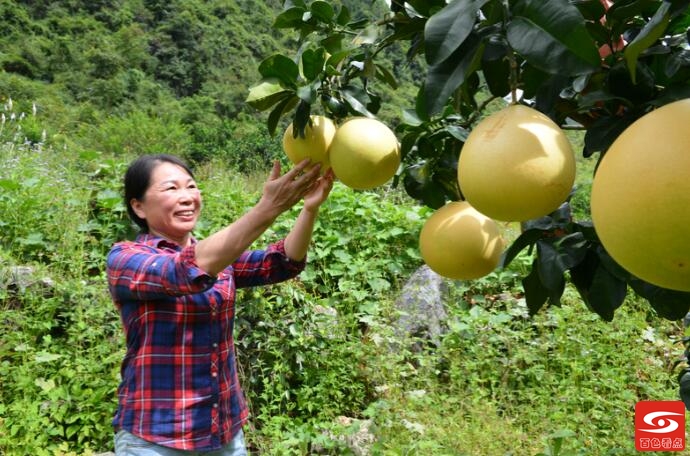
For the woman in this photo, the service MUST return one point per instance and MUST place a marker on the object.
(179, 393)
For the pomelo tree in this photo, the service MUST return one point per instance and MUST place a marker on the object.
(593, 65)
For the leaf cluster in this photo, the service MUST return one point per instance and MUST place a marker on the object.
(591, 65)
(584, 64)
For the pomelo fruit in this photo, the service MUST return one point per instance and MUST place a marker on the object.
(364, 153)
(458, 242)
(516, 165)
(640, 198)
(315, 143)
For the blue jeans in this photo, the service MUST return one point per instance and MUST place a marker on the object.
(127, 444)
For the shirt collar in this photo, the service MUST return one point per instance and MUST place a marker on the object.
(160, 242)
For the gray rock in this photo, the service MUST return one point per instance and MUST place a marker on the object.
(421, 307)
(361, 438)
(17, 280)
(357, 436)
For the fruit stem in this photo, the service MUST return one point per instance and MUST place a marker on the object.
(513, 76)
(510, 55)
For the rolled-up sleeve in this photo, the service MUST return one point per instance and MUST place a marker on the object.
(262, 267)
(137, 271)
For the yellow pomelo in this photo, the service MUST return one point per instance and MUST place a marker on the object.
(364, 153)
(516, 165)
(641, 197)
(314, 145)
(460, 243)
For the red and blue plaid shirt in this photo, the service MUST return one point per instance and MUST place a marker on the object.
(179, 383)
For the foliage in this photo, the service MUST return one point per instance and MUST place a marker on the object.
(59, 371)
(310, 350)
(100, 71)
(582, 63)
(501, 373)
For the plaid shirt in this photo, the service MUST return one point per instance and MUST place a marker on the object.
(179, 376)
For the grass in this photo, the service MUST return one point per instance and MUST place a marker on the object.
(504, 384)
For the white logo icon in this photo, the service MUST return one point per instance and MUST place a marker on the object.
(667, 425)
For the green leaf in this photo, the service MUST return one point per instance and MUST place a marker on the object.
(344, 16)
(457, 132)
(282, 107)
(108, 198)
(592, 10)
(651, 32)
(290, 18)
(443, 80)
(34, 239)
(420, 104)
(426, 7)
(334, 45)
(526, 239)
(9, 184)
(446, 30)
(606, 293)
(45, 357)
(603, 132)
(624, 11)
(536, 294)
(669, 304)
(322, 10)
(601, 290)
(288, 4)
(302, 118)
(45, 385)
(312, 63)
(496, 69)
(418, 183)
(307, 93)
(557, 255)
(357, 99)
(358, 24)
(384, 75)
(551, 35)
(684, 387)
(280, 67)
(672, 93)
(266, 93)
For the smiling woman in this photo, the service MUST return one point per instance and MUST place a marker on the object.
(176, 297)
(159, 190)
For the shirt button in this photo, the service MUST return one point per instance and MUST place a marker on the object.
(214, 374)
(215, 405)
(215, 345)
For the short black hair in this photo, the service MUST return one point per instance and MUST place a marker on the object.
(138, 179)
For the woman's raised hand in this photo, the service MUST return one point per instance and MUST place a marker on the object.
(281, 192)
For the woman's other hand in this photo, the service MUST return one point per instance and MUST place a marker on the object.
(319, 192)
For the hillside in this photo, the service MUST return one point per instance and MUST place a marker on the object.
(181, 68)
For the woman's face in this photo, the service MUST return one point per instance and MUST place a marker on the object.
(171, 204)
